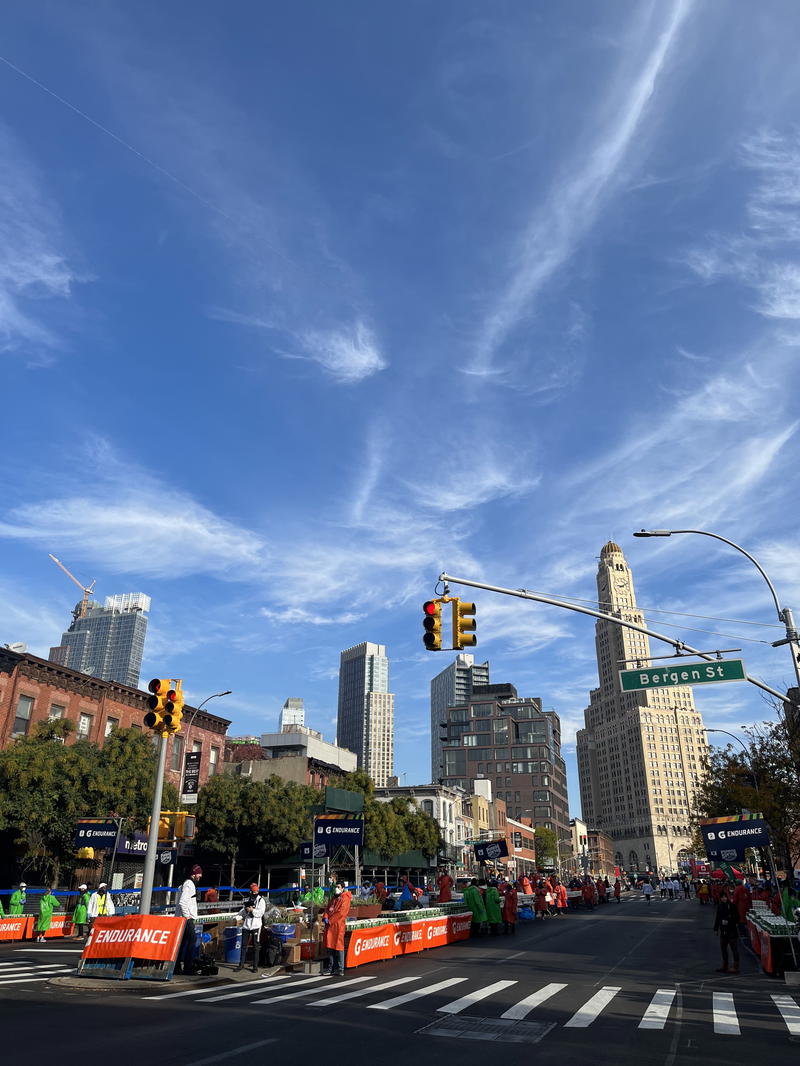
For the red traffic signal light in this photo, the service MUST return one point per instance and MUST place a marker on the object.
(432, 624)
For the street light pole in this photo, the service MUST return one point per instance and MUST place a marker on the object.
(744, 749)
(792, 639)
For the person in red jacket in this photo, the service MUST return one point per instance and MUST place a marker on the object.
(600, 885)
(561, 898)
(509, 910)
(525, 885)
(742, 903)
(445, 884)
(540, 900)
(334, 916)
(617, 890)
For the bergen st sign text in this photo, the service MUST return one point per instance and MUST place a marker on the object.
(670, 676)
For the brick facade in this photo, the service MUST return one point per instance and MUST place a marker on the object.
(96, 707)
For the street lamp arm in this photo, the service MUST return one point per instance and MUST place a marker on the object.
(733, 544)
(748, 758)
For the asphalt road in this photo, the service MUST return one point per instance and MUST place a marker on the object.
(620, 985)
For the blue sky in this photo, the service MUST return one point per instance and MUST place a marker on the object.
(302, 304)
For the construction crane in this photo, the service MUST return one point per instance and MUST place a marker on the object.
(79, 612)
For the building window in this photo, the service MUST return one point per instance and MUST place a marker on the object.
(177, 752)
(22, 719)
(197, 745)
(57, 710)
(213, 762)
(111, 725)
(84, 724)
(427, 807)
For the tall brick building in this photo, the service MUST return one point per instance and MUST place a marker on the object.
(34, 690)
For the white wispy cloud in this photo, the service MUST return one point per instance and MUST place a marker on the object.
(763, 257)
(571, 208)
(132, 522)
(34, 272)
(349, 355)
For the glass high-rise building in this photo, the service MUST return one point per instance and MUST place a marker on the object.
(365, 721)
(108, 641)
(641, 754)
(452, 687)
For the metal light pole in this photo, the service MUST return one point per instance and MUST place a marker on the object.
(792, 639)
(744, 749)
(152, 837)
(215, 696)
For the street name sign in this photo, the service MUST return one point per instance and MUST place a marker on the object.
(690, 674)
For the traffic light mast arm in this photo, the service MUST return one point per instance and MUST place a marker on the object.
(678, 645)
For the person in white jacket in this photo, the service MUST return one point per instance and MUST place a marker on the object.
(101, 905)
(251, 914)
(186, 907)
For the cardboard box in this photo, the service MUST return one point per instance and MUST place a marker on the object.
(291, 954)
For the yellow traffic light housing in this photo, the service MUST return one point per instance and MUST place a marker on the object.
(432, 623)
(173, 709)
(463, 625)
(154, 719)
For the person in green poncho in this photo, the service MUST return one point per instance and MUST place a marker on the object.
(473, 901)
(80, 920)
(494, 913)
(17, 902)
(47, 904)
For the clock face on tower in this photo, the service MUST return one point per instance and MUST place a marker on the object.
(621, 583)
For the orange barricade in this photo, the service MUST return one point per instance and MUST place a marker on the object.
(16, 927)
(135, 936)
(404, 938)
(60, 925)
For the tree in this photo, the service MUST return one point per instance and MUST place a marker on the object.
(47, 785)
(546, 846)
(766, 781)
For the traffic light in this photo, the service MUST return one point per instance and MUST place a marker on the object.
(173, 709)
(463, 625)
(432, 623)
(155, 718)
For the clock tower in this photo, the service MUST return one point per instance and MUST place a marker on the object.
(640, 753)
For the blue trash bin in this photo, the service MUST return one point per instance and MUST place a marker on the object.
(232, 943)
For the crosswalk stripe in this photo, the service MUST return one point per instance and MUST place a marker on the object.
(725, 1019)
(302, 992)
(363, 991)
(474, 997)
(202, 991)
(33, 969)
(790, 1013)
(249, 992)
(418, 993)
(525, 1006)
(592, 1008)
(26, 980)
(655, 1017)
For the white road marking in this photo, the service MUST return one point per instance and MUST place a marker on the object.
(474, 997)
(790, 1013)
(50, 951)
(302, 992)
(592, 1008)
(725, 1020)
(25, 980)
(655, 1017)
(203, 991)
(363, 991)
(32, 971)
(233, 1051)
(249, 992)
(418, 993)
(525, 1006)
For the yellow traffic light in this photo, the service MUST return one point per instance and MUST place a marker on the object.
(154, 719)
(432, 623)
(173, 709)
(463, 625)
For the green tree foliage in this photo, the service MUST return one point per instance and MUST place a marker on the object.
(767, 781)
(546, 846)
(47, 785)
(394, 827)
(260, 820)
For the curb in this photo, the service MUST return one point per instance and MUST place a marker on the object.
(73, 983)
